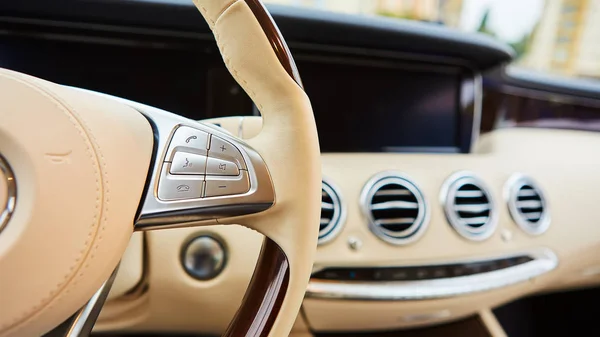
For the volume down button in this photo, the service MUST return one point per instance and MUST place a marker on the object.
(219, 185)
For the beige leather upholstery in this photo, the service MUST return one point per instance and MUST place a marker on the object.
(549, 156)
(288, 143)
(80, 163)
(131, 268)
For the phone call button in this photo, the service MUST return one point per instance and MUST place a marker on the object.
(186, 137)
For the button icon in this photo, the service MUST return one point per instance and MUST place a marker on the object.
(220, 148)
(220, 167)
(188, 139)
(183, 188)
(187, 163)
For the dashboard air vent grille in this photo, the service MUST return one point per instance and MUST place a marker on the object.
(527, 205)
(395, 208)
(468, 206)
(331, 213)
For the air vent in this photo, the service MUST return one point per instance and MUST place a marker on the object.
(331, 213)
(527, 205)
(469, 206)
(395, 208)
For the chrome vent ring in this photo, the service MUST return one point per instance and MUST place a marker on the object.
(395, 208)
(332, 213)
(469, 206)
(527, 205)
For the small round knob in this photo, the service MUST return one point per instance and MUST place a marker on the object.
(203, 257)
(354, 243)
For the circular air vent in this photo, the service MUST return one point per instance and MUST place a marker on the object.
(469, 206)
(395, 208)
(332, 213)
(527, 205)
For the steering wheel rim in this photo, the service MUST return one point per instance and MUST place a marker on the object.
(258, 58)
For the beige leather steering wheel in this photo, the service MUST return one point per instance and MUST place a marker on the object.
(80, 171)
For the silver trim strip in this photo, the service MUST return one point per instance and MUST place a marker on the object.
(85, 319)
(544, 261)
(477, 106)
(511, 192)
(11, 190)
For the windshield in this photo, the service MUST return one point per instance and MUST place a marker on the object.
(560, 37)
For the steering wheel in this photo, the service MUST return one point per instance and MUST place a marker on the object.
(81, 171)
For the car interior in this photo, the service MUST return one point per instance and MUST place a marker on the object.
(233, 168)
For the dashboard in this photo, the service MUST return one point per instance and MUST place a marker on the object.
(449, 188)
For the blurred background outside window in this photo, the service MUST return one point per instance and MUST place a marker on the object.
(560, 37)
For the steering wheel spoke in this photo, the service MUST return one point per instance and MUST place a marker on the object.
(200, 174)
(83, 160)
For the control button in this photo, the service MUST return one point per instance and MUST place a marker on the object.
(399, 274)
(217, 166)
(331, 275)
(204, 257)
(188, 137)
(422, 273)
(218, 186)
(440, 272)
(180, 187)
(220, 148)
(188, 163)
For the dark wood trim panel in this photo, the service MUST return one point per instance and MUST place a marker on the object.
(275, 39)
(518, 108)
(264, 295)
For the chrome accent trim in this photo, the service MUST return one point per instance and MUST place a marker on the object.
(544, 261)
(84, 320)
(460, 225)
(158, 214)
(511, 189)
(8, 208)
(421, 222)
(477, 107)
(339, 212)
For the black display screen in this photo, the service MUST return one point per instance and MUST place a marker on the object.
(361, 108)
(359, 105)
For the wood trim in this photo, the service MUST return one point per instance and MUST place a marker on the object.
(275, 39)
(519, 108)
(264, 295)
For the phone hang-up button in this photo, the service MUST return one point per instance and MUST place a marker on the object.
(180, 187)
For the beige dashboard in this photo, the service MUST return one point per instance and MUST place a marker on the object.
(153, 292)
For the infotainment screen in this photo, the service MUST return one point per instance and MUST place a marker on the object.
(361, 103)
(371, 108)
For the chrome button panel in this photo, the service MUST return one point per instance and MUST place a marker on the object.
(173, 199)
